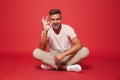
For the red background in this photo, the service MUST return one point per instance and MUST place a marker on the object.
(96, 22)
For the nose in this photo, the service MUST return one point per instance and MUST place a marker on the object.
(55, 21)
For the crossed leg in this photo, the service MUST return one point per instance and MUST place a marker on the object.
(49, 58)
(45, 57)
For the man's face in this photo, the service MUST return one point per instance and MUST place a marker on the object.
(55, 20)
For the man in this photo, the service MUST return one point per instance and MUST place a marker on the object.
(65, 49)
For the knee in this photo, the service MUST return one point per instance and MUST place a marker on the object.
(35, 52)
(85, 51)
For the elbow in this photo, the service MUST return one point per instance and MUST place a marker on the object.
(79, 46)
(42, 47)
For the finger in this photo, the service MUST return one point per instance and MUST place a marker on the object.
(51, 23)
(48, 23)
(46, 18)
(42, 19)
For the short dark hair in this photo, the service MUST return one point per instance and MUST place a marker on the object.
(54, 11)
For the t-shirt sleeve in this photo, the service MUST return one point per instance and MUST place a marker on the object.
(71, 33)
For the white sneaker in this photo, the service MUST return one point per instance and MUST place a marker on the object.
(43, 66)
(76, 68)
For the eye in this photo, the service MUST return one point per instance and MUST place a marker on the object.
(58, 19)
(52, 19)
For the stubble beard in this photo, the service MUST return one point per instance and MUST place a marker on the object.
(56, 26)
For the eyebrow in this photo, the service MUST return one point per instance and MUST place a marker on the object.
(56, 19)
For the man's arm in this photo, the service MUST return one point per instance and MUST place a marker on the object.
(46, 25)
(76, 47)
(43, 41)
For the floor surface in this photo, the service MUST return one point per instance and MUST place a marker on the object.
(25, 67)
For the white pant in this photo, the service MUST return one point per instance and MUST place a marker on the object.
(48, 58)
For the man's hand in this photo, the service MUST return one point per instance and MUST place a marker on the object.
(46, 23)
(58, 58)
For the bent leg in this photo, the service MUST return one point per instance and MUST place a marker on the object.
(45, 57)
(81, 54)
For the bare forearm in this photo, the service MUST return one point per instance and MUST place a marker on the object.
(43, 41)
(77, 45)
(72, 50)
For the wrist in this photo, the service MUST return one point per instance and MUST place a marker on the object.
(45, 31)
(63, 54)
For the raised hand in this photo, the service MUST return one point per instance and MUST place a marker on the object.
(46, 23)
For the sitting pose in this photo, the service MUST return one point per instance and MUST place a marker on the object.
(65, 48)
